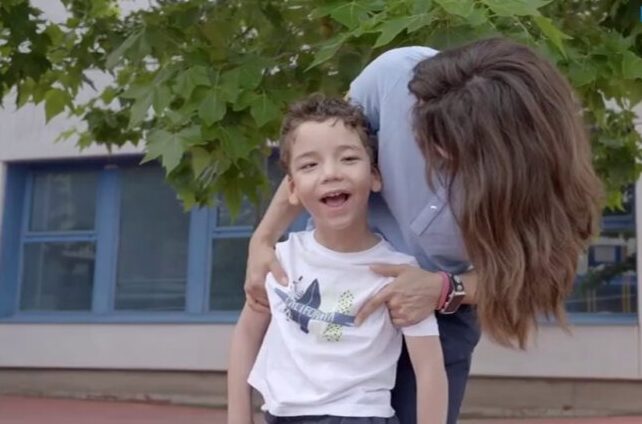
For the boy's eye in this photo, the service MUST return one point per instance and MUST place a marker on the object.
(307, 165)
(351, 158)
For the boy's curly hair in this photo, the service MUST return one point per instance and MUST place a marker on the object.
(319, 108)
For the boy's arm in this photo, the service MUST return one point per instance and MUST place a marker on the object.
(432, 385)
(246, 341)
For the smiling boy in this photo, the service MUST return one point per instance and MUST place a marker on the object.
(307, 358)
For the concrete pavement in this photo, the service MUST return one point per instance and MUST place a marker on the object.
(26, 410)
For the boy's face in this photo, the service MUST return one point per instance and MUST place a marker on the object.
(331, 174)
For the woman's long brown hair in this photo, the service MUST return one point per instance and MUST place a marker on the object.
(504, 130)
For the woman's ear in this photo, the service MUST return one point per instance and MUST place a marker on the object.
(292, 196)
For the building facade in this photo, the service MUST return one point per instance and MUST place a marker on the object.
(102, 269)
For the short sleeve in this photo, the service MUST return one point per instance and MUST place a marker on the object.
(386, 73)
(427, 327)
(369, 87)
(364, 91)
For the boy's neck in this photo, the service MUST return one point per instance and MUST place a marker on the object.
(355, 239)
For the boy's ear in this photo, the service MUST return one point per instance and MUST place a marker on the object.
(292, 197)
(377, 182)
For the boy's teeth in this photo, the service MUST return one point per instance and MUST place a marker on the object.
(335, 200)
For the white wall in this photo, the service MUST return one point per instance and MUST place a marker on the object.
(24, 134)
(111, 346)
(26, 137)
(607, 351)
(590, 352)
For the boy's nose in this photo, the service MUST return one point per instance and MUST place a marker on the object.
(331, 171)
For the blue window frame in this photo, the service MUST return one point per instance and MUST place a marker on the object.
(80, 242)
(100, 241)
(606, 287)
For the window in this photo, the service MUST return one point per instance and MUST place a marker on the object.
(152, 244)
(59, 243)
(607, 277)
(229, 249)
(97, 241)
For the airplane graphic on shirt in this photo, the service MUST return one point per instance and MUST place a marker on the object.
(305, 307)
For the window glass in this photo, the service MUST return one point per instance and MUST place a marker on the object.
(63, 201)
(57, 276)
(153, 244)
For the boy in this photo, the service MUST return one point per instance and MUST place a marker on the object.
(308, 360)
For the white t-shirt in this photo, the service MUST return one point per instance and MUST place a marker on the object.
(313, 360)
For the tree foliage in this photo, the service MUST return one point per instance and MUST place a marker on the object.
(203, 84)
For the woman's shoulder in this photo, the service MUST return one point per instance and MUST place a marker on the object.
(404, 57)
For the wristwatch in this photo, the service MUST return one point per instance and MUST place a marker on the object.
(456, 294)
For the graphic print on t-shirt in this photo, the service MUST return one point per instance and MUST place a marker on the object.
(303, 307)
(333, 332)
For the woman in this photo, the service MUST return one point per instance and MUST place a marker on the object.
(487, 176)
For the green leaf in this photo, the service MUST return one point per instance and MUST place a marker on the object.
(350, 14)
(200, 160)
(327, 51)
(549, 29)
(477, 17)
(244, 101)
(161, 98)
(25, 91)
(199, 76)
(233, 199)
(212, 108)
(421, 6)
(165, 145)
(139, 109)
(390, 29)
(631, 65)
(191, 136)
(263, 110)
(137, 90)
(66, 135)
(633, 89)
(55, 34)
(187, 81)
(516, 7)
(114, 57)
(418, 22)
(581, 74)
(176, 117)
(250, 74)
(236, 145)
(108, 95)
(55, 102)
(229, 85)
(461, 8)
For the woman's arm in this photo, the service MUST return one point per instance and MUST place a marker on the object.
(470, 285)
(432, 384)
(246, 341)
(261, 258)
(279, 215)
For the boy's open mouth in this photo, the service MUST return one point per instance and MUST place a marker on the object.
(335, 199)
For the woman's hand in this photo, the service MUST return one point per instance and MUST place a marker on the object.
(261, 260)
(410, 298)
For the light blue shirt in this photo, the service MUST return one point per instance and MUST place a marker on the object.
(413, 218)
